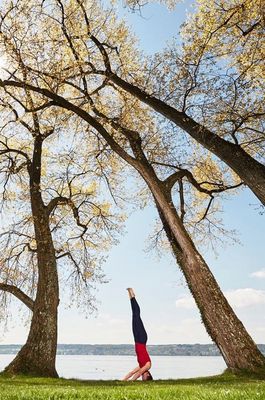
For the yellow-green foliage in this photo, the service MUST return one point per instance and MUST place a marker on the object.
(228, 29)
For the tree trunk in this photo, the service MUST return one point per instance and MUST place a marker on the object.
(246, 167)
(37, 356)
(226, 330)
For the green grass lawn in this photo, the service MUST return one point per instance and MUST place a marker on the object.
(216, 388)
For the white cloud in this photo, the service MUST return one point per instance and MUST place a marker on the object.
(258, 274)
(247, 297)
(186, 302)
(238, 298)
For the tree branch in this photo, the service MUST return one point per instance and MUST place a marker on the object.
(182, 201)
(62, 102)
(9, 150)
(55, 202)
(170, 181)
(207, 209)
(250, 29)
(65, 200)
(18, 293)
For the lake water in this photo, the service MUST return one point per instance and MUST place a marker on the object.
(115, 367)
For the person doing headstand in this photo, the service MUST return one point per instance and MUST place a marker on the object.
(140, 338)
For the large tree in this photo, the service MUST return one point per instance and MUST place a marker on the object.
(213, 86)
(82, 48)
(55, 226)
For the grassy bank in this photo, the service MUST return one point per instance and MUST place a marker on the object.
(214, 388)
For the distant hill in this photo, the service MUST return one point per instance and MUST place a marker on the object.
(128, 349)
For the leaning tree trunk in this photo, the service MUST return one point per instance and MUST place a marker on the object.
(37, 356)
(226, 330)
(247, 168)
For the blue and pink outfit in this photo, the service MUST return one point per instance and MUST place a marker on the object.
(140, 335)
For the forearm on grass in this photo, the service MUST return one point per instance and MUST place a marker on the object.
(141, 371)
(131, 373)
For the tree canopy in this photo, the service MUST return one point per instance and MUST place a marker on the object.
(74, 56)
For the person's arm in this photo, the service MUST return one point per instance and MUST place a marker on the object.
(140, 371)
(131, 373)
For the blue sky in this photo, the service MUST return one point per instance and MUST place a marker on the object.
(167, 309)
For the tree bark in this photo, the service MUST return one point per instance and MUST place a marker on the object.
(223, 326)
(37, 356)
(247, 168)
(18, 293)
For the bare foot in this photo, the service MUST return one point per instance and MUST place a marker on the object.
(131, 292)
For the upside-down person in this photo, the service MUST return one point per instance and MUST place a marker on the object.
(140, 338)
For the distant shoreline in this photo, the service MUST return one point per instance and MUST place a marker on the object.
(128, 349)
